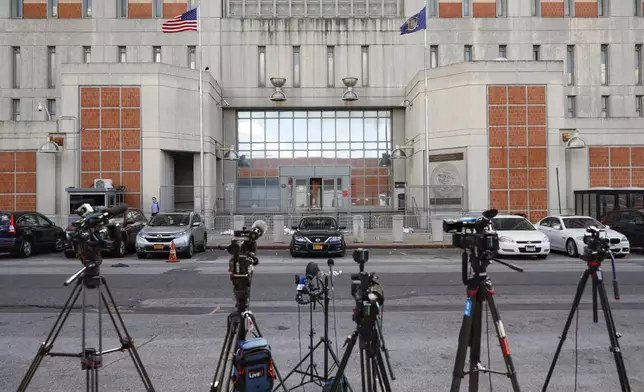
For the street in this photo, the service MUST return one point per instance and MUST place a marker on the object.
(176, 313)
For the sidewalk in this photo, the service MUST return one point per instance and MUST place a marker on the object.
(371, 240)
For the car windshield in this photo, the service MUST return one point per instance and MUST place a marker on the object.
(501, 224)
(318, 224)
(170, 220)
(581, 223)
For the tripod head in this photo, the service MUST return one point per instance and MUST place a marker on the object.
(597, 248)
(479, 242)
(242, 250)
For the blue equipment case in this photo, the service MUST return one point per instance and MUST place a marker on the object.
(253, 366)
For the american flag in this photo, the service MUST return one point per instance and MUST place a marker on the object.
(184, 22)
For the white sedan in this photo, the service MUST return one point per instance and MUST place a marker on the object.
(566, 234)
(517, 236)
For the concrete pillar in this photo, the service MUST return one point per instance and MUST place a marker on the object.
(397, 228)
(358, 228)
(238, 222)
(437, 230)
(278, 228)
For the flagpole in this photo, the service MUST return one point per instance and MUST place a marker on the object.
(201, 141)
(426, 181)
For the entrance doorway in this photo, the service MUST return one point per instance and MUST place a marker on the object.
(315, 193)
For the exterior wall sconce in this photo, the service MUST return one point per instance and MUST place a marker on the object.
(349, 94)
(278, 95)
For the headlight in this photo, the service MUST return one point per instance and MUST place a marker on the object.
(505, 239)
(141, 234)
(181, 234)
(335, 238)
(624, 239)
(545, 239)
(299, 238)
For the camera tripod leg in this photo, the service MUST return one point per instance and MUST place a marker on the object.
(47, 345)
(612, 333)
(218, 379)
(464, 340)
(313, 373)
(500, 333)
(127, 342)
(575, 304)
(362, 374)
(475, 343)
(384, 380)
(336, 360)
(595, 316)
(351, 342)
(259, 334)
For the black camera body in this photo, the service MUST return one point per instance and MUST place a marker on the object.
(91, 232)
(242, 249)
(474, 234)
(597, 244)
(366, 290)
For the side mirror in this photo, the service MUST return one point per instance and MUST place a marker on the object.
(607, 227)
(196, 224)
(130, 222)
(557, 227)
(294, 227)
(342, 227)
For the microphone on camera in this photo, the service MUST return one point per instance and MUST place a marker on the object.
(258, 229)
(312, 270)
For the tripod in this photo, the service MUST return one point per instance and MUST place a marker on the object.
(593, 261)
(369, 331)
(89, 278)
(479, 290)
(311, 370)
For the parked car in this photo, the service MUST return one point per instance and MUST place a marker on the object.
(628, 222)
(319, 235)
(517, 236)
(24, 233)
(184, 228)
(566, 234)
(129, 223)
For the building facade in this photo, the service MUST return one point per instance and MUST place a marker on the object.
(508, 84)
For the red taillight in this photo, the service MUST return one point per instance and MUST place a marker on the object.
(12, 227)
(604, 221)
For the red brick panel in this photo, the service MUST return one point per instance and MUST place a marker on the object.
(537, 136)
(620, 157)
(484, 10)
(170, 10)
(499, 200)
(552, 10)
(70, 10)
(17, 181)
(620, 177)
(599, 177)
(586, 10)
(497, 95)
(498, 136)
(450, 10)
(598, 156)
(637, 156)
(616, 166)
(517, 95)
(34, 11)
(637, 177)
(90, 97)
(139, 10)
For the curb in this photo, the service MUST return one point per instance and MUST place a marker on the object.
(357, 246)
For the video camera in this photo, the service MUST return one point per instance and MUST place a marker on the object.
(242, 249)
(91, 231)
(597, 244)
(365, 289)
(474, 234)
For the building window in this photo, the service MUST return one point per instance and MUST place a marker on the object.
(330, 66)
(501, 8)
(638, 64)
(122, 54)
(52, 8)
(570, 65)
(638, 7)
(467, 56)
(604, 68)
(15, 109)
(51, 107)
(15, 68)
(87, 8)
(433, 56)
(87, 54)
(639, 100)
(571, 107)
(261, 66)
(157, 8)
(156, 54)
(605, 106)
(536, 52)
(51, 67)
(433, 8)
(602, 7)
(503, 51)
(16, 8)
(466, 7)
(192, 57)
(536, 7)
(365, 65)
(296, 66)
(121, 8)
(569, 7)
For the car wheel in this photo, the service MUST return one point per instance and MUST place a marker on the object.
(571, 248)
(141, 255)
(59, 246)
(70, 254)
(202, 247)
(293, 254)
(541, 256)
(191, 250)
(26, 248)
(120, 248)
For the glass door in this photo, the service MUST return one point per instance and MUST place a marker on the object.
(301, 194)
(329, 195)
(316, 193)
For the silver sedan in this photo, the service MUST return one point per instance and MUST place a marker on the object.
(185, 229)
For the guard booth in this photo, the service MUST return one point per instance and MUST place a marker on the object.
(96, 197)
(597, 202)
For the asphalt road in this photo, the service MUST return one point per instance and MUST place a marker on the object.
(177, 314)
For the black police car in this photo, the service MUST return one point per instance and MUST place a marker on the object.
(318, 235)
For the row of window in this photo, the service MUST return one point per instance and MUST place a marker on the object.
(15, 109)
(17, 8)
(571, 106)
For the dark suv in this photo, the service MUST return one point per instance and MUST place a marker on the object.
(130, 223)
(628, 222)
(24, 233)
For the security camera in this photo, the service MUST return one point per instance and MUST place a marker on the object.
(40, 108)
(224, 103)
(207, 68)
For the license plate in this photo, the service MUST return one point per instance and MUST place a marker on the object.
(530, 248)
(158, 246)
(317, 247)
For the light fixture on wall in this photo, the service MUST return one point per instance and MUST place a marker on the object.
(385, 161)
(44, 108)
(400, 153)
(349, 94)
(49, 147)
(243, 161)
(278, 95)
(231, 154)
(406, 104)
(572, 140)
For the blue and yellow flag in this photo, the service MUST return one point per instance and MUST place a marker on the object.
(415, 23)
